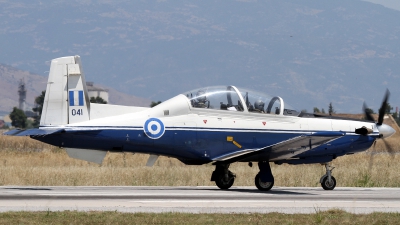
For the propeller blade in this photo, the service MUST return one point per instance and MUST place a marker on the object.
(371, 158)
(373, 152)
(367, 114)
(389, 148)
(382, 110)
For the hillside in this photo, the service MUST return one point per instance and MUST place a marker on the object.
(35, 84)
(310, 53)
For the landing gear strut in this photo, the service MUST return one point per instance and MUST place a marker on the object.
(264, 180)
(328, 182)
(223, 177)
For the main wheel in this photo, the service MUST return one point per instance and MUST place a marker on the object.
(222, 183)
(326, 185)
(263, 186)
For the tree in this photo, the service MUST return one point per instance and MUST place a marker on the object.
(154, 104)
(388, 108)
(18, 118)
(98, 100)
(395, 116)
(331, 110)
(369, 110)
(39, 100)
(323, 111)
(316, 110)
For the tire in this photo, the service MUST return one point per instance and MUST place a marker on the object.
(263, 186)
(222, 184)
(328, 186)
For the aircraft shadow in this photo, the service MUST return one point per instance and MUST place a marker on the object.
(30, 189)
(241, 190)
(272, 191)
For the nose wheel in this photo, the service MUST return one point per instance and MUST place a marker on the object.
(328, 182)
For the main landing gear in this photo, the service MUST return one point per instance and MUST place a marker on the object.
(264, 180)
(224, 178)
(328, 182)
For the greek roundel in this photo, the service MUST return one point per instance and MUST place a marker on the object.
(154, 128)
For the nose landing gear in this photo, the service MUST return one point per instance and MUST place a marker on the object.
(328, 182)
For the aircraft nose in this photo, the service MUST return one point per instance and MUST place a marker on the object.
(385, 130)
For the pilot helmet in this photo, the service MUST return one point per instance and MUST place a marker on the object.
(259, 105)
(201, 96)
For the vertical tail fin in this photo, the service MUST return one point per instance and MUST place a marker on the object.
(66, 100)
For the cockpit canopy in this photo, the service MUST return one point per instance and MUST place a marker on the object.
(232, 99)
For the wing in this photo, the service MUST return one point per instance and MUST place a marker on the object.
(285, 149)
(298, 145)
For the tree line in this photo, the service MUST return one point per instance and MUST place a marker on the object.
(388, 111)
(20, 120)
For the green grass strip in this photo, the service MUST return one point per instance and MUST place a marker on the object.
(330, 217)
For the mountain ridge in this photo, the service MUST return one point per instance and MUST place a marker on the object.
(308, 52)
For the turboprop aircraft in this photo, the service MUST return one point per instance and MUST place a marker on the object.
(219, 125)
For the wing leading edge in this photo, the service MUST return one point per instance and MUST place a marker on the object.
(285, 149)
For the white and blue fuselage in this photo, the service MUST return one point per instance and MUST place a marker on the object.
(200, 135)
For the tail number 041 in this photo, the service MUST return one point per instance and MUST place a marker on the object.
(77, 112)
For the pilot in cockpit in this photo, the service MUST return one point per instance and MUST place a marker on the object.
(201, 100)
(259, 106)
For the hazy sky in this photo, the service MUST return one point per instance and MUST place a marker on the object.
(393, 4)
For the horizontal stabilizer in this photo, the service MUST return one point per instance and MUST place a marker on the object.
(32, 132)
(89, 155)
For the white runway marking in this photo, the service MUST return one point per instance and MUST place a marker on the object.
(198, 199)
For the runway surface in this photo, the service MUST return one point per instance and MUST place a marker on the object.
(198, 199)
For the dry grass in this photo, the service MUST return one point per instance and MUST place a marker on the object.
(24, 161)
(331, 217)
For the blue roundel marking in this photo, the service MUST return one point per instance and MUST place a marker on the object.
(154, 128)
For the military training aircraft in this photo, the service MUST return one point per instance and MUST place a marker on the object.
(219, 125)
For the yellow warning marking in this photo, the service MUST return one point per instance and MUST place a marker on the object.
(229, 138)
(237, 144)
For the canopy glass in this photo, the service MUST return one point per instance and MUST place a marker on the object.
(234, 99)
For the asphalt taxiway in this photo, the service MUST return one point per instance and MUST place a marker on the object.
(197, 199)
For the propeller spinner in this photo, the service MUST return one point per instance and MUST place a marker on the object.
(385, 131)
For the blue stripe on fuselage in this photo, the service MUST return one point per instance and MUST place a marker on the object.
(200, 129)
